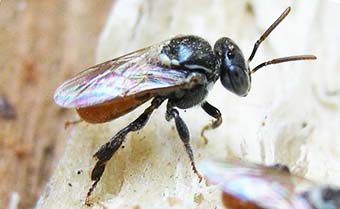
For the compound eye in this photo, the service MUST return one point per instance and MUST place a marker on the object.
(236, 80)
(240, 79)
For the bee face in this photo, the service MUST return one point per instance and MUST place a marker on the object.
(234, 71)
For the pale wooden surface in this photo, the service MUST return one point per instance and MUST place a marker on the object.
(291, 115)
(41, 44)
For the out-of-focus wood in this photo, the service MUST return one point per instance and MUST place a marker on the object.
(41, 44)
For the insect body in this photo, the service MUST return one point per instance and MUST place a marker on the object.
(180, 70)
(252, 186)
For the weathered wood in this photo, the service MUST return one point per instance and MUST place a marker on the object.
(290, 116)
(41, 43)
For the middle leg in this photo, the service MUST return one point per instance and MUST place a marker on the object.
(183, 133)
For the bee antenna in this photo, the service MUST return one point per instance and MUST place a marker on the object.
(267, 32)
(283, 59)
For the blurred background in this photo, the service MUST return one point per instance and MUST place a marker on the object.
(291, 115)
(41, 44)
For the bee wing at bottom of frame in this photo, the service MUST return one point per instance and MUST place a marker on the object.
(262, 186)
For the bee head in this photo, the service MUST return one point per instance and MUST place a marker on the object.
(234, 70)
(235, 73)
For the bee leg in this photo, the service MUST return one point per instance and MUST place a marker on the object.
(107, 150)
(213, 112)
(183, 133)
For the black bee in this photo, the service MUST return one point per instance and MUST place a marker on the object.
(180, 70)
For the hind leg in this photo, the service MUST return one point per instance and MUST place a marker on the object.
(107, 150)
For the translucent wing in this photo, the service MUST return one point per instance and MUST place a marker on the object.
(137, 72)
(264, 186)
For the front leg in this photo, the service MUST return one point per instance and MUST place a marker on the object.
(213, 112)
(183, 133)
(107, 150)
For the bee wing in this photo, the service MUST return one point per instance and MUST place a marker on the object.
(137, 72)
(264, 186)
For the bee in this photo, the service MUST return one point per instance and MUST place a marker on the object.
(180, 71)
(252, 186)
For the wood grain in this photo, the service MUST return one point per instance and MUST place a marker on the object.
(41, 44)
